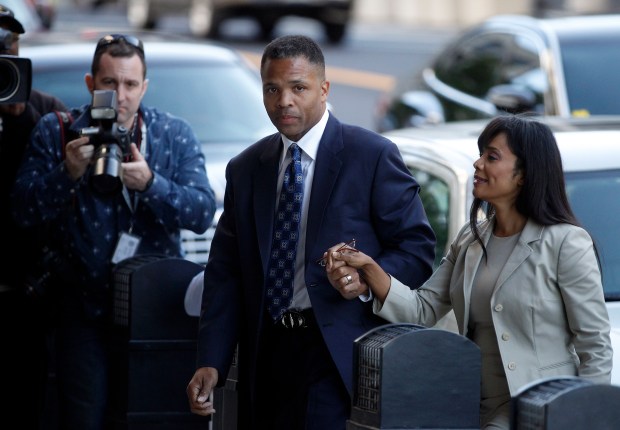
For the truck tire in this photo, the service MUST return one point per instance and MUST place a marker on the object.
(140, 14)
(335, 32)
(204, 21)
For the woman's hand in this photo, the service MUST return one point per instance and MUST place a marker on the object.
(344, 278)
(343, 262)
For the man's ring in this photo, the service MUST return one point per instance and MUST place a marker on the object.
(349, 279)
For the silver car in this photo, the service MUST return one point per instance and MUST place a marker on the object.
(441, 159)
(561, 66)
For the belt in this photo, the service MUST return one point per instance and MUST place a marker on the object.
(296, 319)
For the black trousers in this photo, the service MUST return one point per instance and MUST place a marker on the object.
(24, 359)
(300, 387)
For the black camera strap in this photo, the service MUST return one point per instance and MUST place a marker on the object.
(138, 136)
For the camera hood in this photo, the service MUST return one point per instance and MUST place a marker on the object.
(15, 79)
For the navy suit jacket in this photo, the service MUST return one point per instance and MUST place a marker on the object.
(361, 189)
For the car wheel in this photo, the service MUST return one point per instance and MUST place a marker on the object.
(335, 32)
(203, 20)
(140, 14)
(266, 24)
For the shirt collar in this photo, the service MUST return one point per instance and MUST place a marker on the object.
(309, 143)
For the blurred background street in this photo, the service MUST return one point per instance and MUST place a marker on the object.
(387, 40)
(385, 46)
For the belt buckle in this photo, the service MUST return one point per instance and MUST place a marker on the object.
(293, 318)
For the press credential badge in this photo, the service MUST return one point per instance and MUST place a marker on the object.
(126, 247)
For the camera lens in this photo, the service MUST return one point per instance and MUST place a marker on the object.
(106, 176)
(15, 79)
(9, 79)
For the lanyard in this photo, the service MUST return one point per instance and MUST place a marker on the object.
(132, 198)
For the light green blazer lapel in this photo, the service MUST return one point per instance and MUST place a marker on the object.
(531, 233)
(473, 257)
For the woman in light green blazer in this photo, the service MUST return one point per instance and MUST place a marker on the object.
(524, 283)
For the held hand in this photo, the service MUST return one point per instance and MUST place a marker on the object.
(371, 275)
(78, 154)
(136, 173)
(343, 277)
(199, 391)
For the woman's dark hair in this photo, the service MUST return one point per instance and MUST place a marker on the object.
(543, 193)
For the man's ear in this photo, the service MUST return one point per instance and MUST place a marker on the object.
(90, 82)
(145, 86)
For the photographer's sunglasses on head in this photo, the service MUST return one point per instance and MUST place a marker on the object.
(115, 38)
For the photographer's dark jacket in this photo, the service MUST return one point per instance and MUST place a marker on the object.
(84, 227)
(19, 246)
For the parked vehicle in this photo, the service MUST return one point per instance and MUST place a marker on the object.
(555, 66)
(206, 16)
(441, 159)
(209, 85)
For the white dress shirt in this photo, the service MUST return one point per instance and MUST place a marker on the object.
(309, 145)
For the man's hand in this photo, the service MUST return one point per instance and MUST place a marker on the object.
(78, 154)
(136, 173)
(14, 109)
(340, 261)
(199, 391)
(343, 277)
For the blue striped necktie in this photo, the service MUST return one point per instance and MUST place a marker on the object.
(281, 271)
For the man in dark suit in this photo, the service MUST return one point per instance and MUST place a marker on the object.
(295, 363)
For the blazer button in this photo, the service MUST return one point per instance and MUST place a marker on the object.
(499, 308)
(505, 336)
(512, 365)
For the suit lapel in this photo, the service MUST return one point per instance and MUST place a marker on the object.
(473, 257)
(265, 184)
(522, 251)
(326, 170)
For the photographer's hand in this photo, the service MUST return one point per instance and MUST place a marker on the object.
(14, 109)
(136, 173)
(78, 154)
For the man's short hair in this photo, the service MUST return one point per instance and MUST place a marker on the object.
(118, 45)
(292, 47)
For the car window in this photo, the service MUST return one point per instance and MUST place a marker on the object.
(222, 103)
(595, 199)
(591, 74)
(478, 63)
(473, 65)
(435, 195)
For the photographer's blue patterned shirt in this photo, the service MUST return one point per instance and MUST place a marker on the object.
(85, 226)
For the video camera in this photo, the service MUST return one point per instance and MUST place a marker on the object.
(112, 143)
(15, 73)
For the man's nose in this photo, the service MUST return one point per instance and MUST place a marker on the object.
(285, 99)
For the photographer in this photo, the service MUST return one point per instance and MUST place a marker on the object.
(164, 189)
(23, 322)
